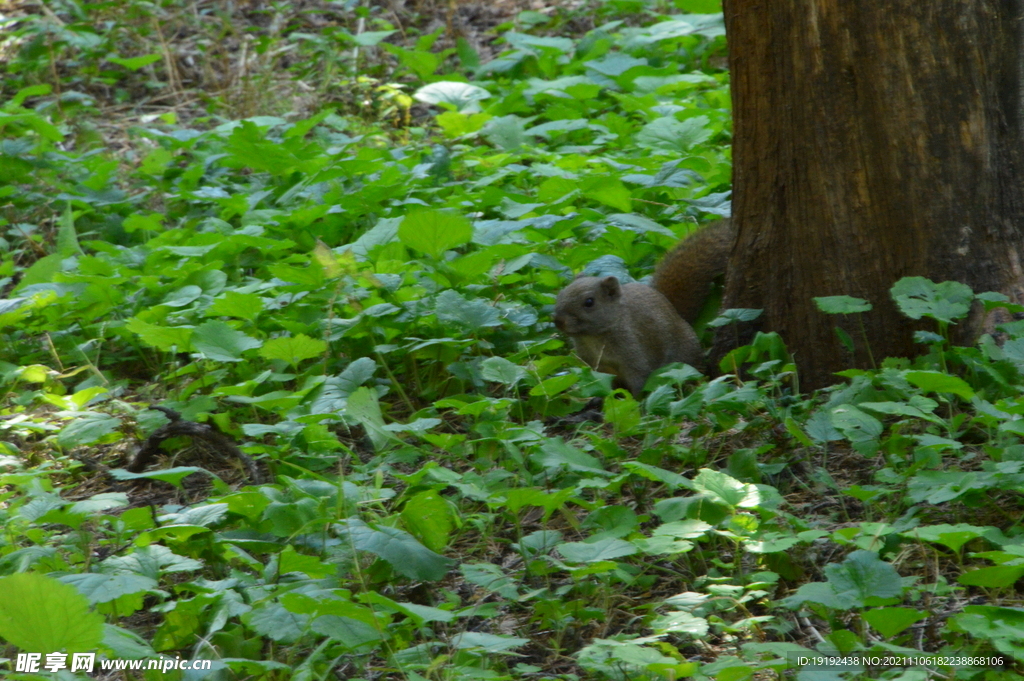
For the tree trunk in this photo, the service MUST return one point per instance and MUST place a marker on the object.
(872, 141)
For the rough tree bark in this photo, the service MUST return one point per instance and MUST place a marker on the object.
(872, 141)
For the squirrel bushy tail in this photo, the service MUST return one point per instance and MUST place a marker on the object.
(686, 273)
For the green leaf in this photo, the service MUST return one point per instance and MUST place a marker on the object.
(459, 96)
(166, 338)
(855, 424)
(474, 314)
(289, 560)
(681, 623)
(219, 342)
(500, 370)
(455, 124)
(727, 490)
(507, 133)
(491, 577)
(610, 191)
(235, 304)
(556, 453)
(842, 305)
(135, 63)
(103, 588)
(182, 296)
(734, 315)
(400, 549)
(274, 621)
(434, 231)
(918, 297)
(864, 576)
(673, 136)
(39, 614)
(364, 406)
(428, 516)
(605, 549)
(995, 577)
(293, 349)
(938, 382)
(351, 633)
(173, 476)
(891, 621)
(490, 643)
(952, 536)
(67, 237)
(87, 429)
(553, 386)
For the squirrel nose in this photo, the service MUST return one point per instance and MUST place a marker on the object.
(560, 322)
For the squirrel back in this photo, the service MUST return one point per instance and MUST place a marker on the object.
(627, 330)
(686, 273)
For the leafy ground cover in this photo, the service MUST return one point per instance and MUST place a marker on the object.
(354, 285)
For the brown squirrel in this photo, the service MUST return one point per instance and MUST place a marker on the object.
(630, 330)
(627, 330)
(686, 273)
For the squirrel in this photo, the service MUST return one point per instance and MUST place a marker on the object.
(630, 330)
(624, 329)
(686, 273)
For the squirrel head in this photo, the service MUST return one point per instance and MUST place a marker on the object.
(589, 306)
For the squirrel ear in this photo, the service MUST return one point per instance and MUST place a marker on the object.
(610, 286)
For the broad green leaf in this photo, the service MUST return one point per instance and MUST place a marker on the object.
(507, 133)
(604, 549)
(995, 577)
(39, 614)
(459, 96)
(135, 63)
(219, 342)
(363, 405)
(891, 621)
(235, 304)
(681, 623)
(456, 124)
(556, 453)
(166, 338)
(351, 633)
(502, 371)
(554, 385)
(938, 382)
(611, 192)
(855, 424)
(489, 576)
(734, 315)
(289, 560)
(952, 536)
(491, 643)
(173, 476)
(434, 231)
(293, 349)
(863, 576)
(274, 621)
(67, 237)
(726, 489)
(103, 588)
(400, 549)
(670, 135)
(182, 296)
(428, 516)
(474, 314)
(87, 429)
(945, 302)
(842, 305)
(370, 38)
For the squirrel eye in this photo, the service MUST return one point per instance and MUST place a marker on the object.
(589, 302)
